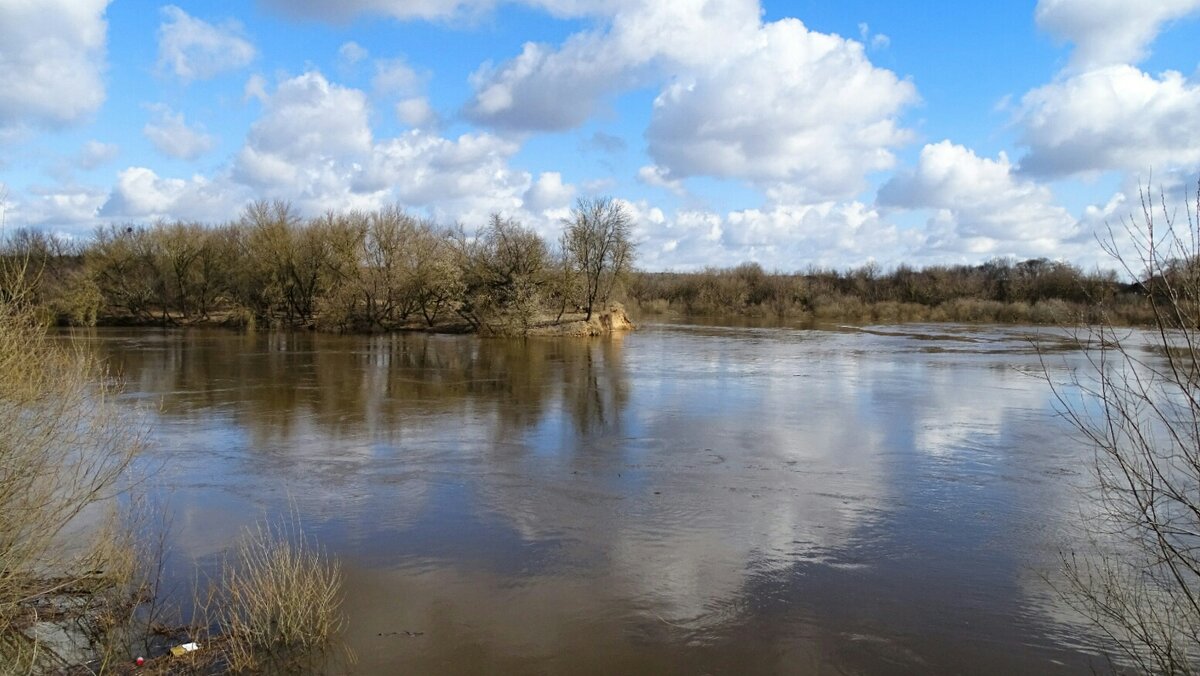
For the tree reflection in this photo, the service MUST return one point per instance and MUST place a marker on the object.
(377, 386)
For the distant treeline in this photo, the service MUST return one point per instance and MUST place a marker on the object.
(357, 271)
(388, 270)
(1037, 291)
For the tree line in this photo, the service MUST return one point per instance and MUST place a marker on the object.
(387, 269)
(1036, 291)
(355, 271)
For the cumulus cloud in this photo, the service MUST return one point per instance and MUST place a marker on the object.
(548, 192)
(465, 178)
(1110, 118)
(784, 237)
(657, 177)
(194, 49)
(140, 193)
(547, 88)
(777, 103)
(800, 107)
(171, 135)
(313, 145)
(308, 125)
(394, 77)
(95, 153)
(981, 206)
(69, 209)
(52, 62)
(1108, 32)
(416, 112)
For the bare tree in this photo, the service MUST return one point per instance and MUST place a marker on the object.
(598, 242)
(64, 449)
(503, 276)
(1138, 403)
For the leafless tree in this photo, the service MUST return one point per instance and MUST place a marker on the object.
(1137, 402)
(598, 240)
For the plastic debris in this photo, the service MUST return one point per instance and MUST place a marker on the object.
(181, 650)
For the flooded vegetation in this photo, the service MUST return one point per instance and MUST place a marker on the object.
(357, 271)
(682, 499)
(1001, 290)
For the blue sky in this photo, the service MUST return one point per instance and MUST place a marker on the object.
(787, 133)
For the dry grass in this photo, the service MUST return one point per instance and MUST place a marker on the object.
(278, 599)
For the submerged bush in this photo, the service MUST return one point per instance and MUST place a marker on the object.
(278, 599)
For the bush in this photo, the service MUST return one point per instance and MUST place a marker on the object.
(278, 599)
(64, 451)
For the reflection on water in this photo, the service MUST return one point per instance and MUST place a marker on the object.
(683, 499)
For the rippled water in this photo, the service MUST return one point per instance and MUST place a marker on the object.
(682, 499)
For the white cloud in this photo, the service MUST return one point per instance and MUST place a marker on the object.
(544, 88)
(1108, 32)
(68, 208)
(548, 192)
(547, 90)
(465, 178)
(172, 136)
(981, 207)
(140, 193)
(1111, 118)
(308, 125)
(799, 108)
(394, 77)
(777, 103)
(313, 145)
(875, 40)
(657, 177)
(781, 236)
(95, 153)
(52, 62)
(194, 49)
(416, 112)
(255, 88)
(351, 53)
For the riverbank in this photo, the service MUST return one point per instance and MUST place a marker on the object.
(610, 319)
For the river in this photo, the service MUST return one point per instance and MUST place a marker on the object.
(681, 499)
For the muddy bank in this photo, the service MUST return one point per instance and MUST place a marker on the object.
(613, 319)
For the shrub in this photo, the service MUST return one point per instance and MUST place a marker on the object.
(278, 599)
(64, 451)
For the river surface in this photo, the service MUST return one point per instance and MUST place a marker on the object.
(682, 499)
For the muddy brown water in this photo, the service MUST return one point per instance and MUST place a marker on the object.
(682, 499)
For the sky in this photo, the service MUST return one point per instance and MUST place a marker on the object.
(791, 134)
